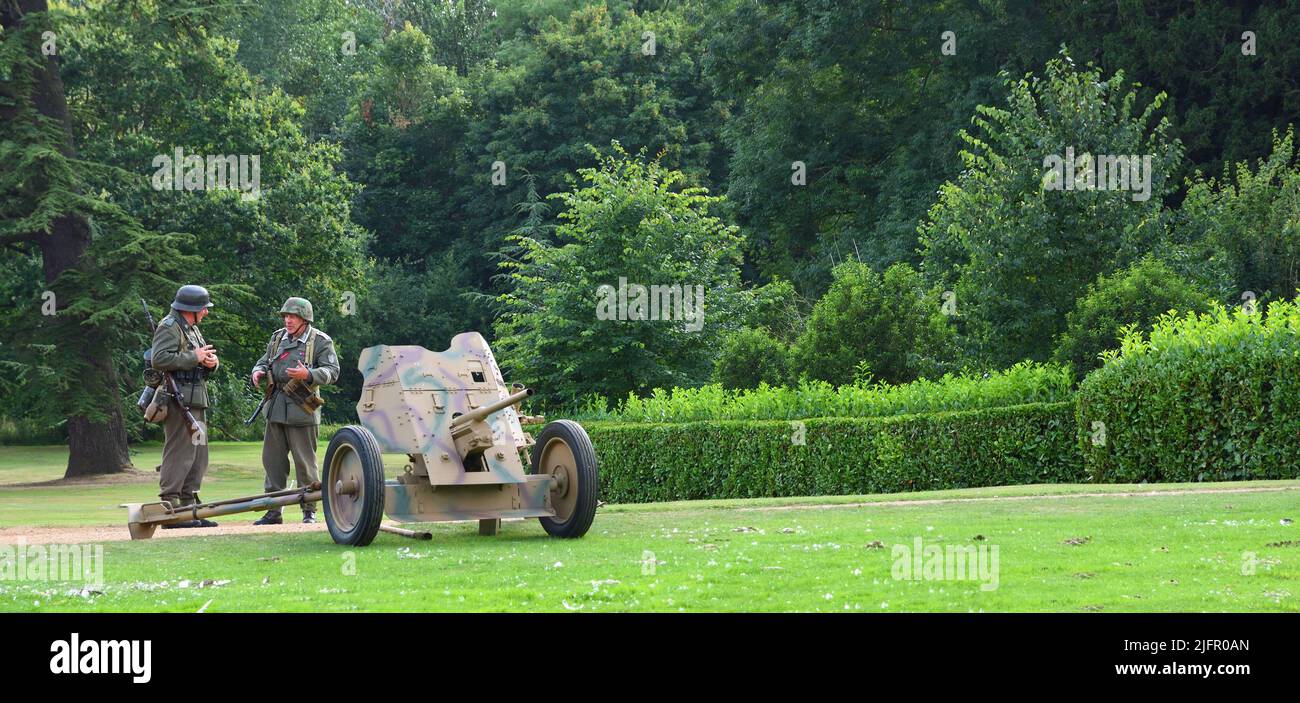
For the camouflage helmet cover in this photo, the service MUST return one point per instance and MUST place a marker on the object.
(192, 298)
(297, 306)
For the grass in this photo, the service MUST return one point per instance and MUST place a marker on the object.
(234, 469)
(1057, 551)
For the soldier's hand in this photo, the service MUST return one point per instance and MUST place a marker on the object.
(204, 353)
(299, 372)
(257, 377)
(211, 362)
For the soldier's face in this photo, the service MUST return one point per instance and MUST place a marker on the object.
(292, 323)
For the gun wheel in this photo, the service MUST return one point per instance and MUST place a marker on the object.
(352, 486)
(564, 451)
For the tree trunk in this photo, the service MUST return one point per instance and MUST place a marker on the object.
(96, 445)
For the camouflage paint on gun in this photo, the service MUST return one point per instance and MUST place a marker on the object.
(410, 395)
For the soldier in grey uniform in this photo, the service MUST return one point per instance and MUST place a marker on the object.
(179, 349)
(297, 350)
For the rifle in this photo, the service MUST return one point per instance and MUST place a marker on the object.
(298, 393)
(266, 395)
(190, 423)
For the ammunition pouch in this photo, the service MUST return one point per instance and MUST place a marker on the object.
(158, 407)
(198, 374)
(302, 395)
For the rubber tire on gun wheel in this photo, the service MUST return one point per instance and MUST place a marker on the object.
(582, 476)
(353, 450)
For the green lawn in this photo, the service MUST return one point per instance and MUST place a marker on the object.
(235, 469)
(1171, 552)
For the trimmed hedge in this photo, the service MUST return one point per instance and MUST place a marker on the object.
(1031, 443)
(1212, 397)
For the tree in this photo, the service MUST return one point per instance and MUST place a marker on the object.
(144, 80)
(1247, 226)
(867, 97)
(1228, 80)
(313, 50)
(47, 203)
(635, 293)
(891, 323)
(1017, 242)
(406, 142)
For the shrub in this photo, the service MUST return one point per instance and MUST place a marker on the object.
(888, 321)
(1206, 397)
(1023, 383)
(231, 400)
(751, 357)
(1137, 296)
(756, 458)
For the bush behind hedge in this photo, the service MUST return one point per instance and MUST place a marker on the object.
(1023, 383)
(1211, 397)
(1031, 443)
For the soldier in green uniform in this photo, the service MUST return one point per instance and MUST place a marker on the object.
(179, 349)
(297, 350)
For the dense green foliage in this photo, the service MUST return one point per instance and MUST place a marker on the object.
(750, 458)
(1207, 397)
(1016, 253)
(886, 327)
(863, 95)
(1021, 384)
(752, 357)
(1136, 296)
(1225, 88)
(1245, 230)
(572, 324)
(430, 167)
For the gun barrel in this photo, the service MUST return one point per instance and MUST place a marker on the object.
(480, 413)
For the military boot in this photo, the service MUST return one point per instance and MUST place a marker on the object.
(180, 525)
(176, 502)
(189, 500)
